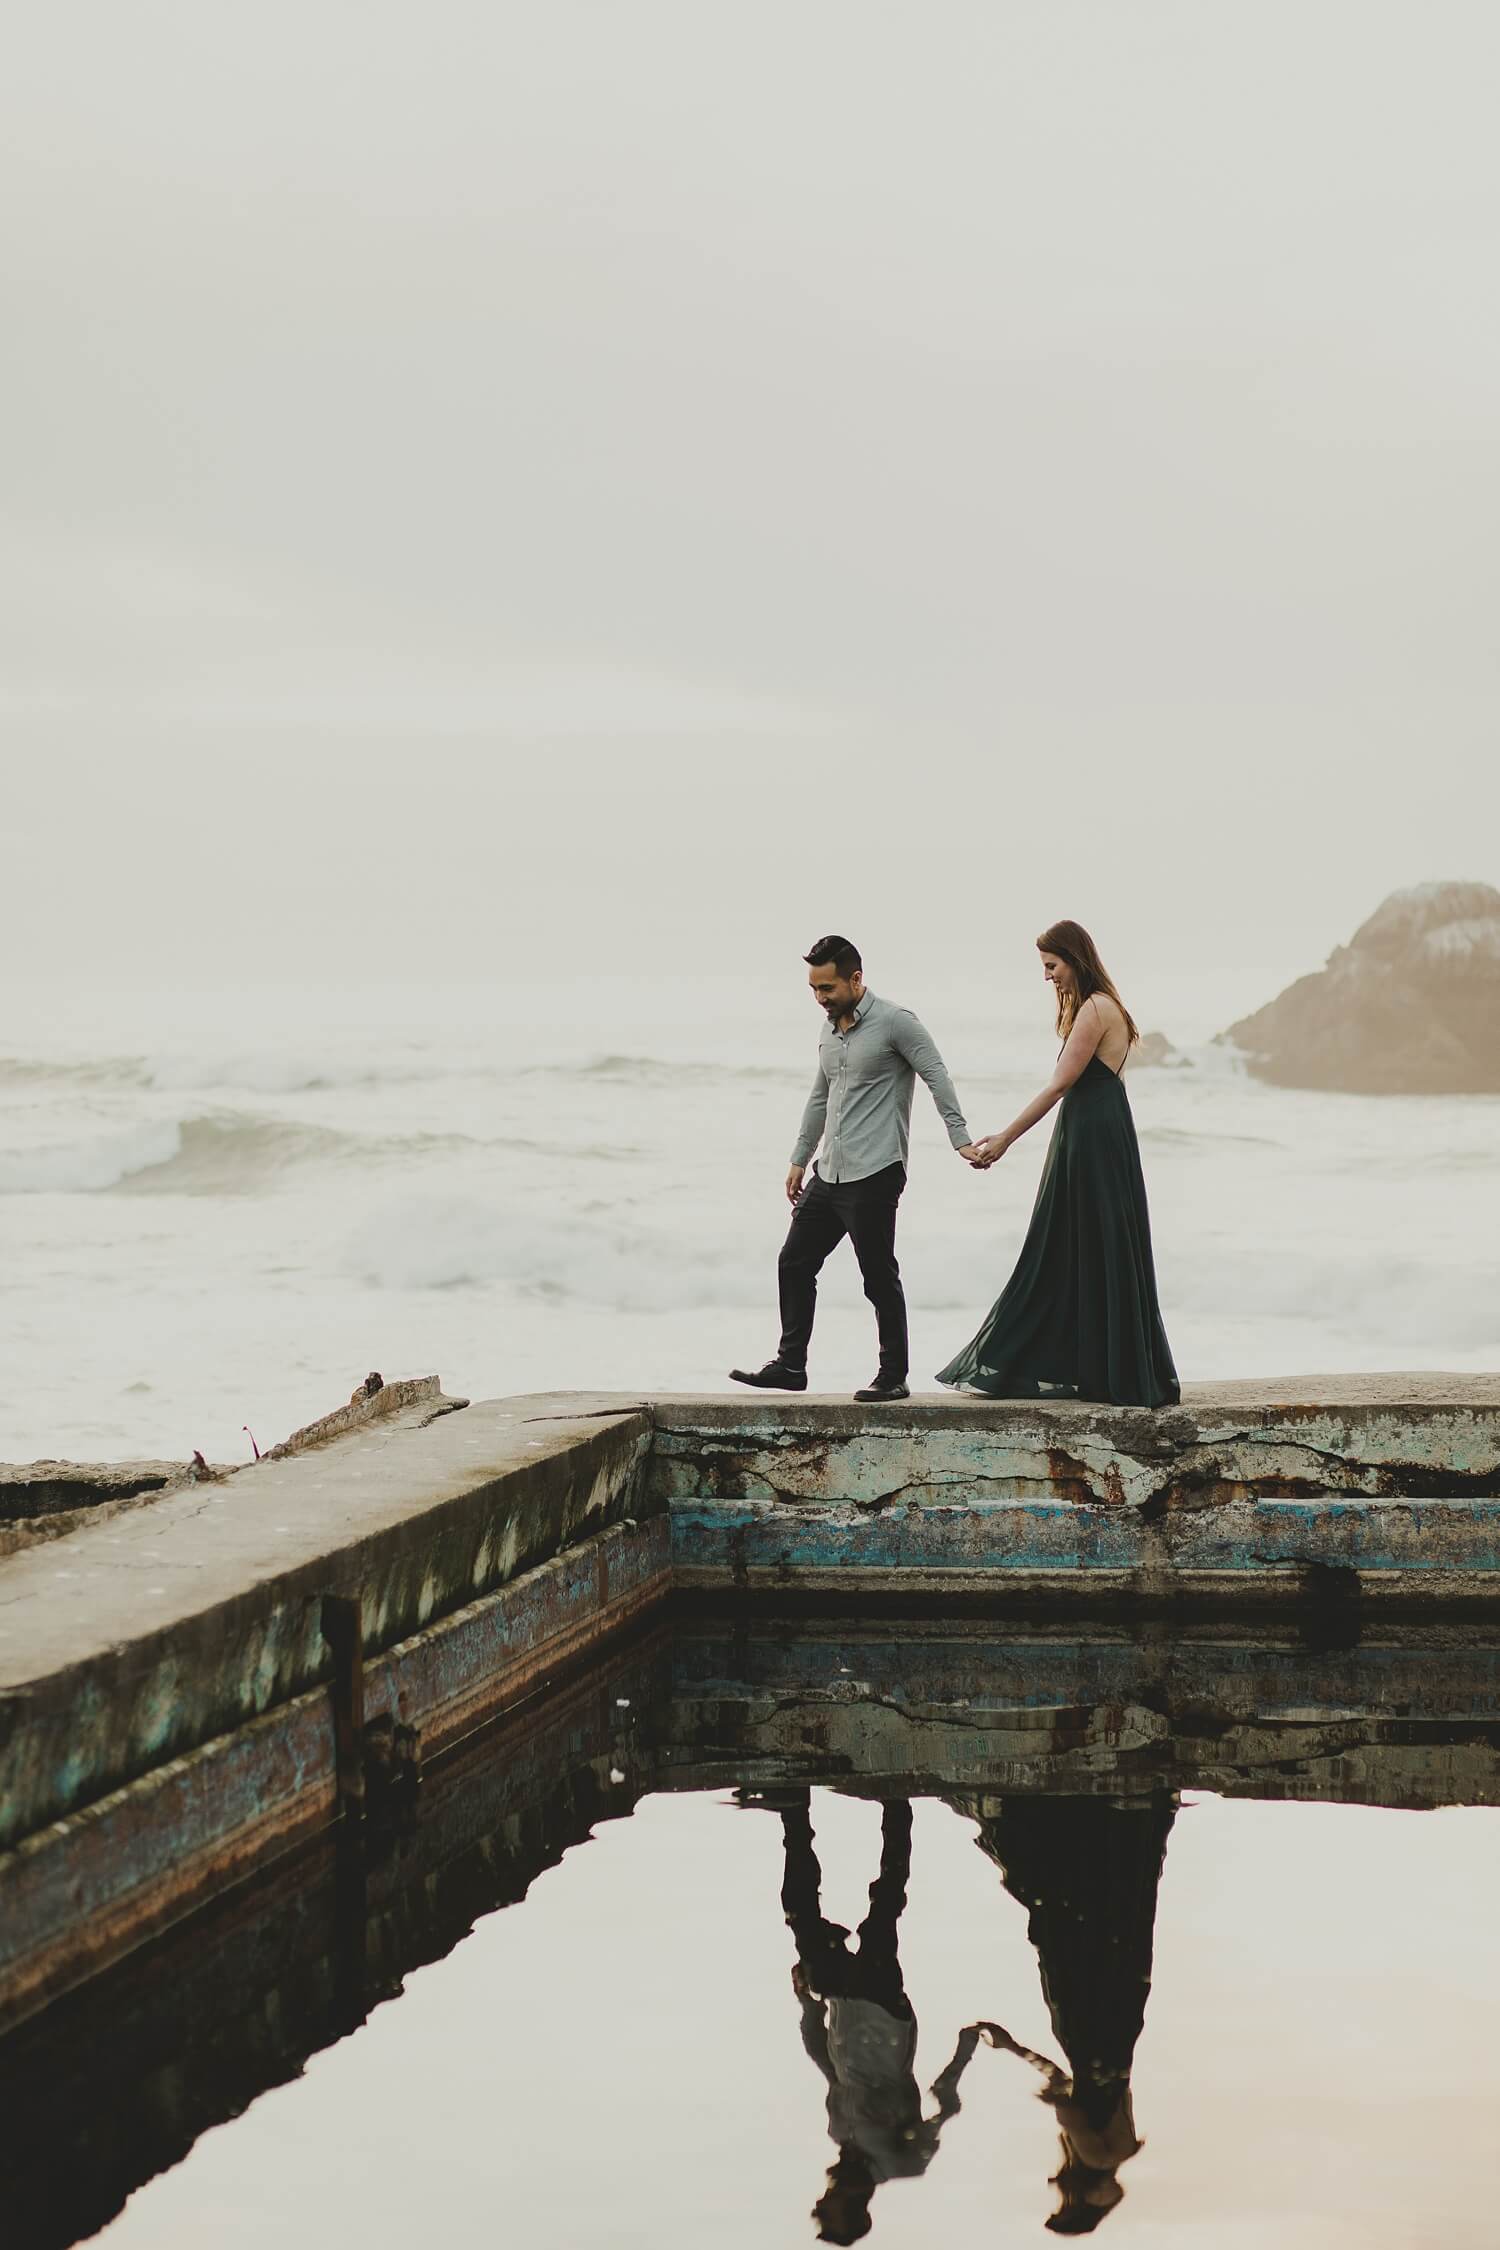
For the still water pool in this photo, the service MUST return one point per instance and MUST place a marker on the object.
(938, 1934)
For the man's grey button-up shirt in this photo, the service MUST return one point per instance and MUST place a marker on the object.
(860, 1104)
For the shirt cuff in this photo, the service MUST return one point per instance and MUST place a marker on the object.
(960, 1135)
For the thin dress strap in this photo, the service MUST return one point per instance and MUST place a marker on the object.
(1119, 1070)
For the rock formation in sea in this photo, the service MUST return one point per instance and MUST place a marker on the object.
(1411, 1005)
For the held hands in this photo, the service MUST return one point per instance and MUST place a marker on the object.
(982, 1154)
(794, 1183)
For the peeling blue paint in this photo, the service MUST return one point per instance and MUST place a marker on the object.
(727, 1539)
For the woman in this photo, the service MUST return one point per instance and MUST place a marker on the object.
(1078, 1317)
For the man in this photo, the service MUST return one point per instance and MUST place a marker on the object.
(860, 1110)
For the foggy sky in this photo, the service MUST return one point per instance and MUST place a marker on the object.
(497, 489)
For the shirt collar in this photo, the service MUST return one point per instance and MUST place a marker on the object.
(866, 1003)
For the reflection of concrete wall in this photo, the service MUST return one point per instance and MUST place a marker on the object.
(116, 2081)
(1406, 1719)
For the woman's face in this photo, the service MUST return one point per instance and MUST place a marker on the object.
(1058, 974)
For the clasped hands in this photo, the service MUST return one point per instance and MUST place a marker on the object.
(979, 1155)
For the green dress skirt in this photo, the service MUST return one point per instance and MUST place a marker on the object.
(1079, 1317)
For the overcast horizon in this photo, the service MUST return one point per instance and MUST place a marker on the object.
(583, 493)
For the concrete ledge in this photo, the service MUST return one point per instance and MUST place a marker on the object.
(125, 1645)
(170, 1696)
(82, 1891)
(129, 1643)
(1378, 1437)
(53, 1488)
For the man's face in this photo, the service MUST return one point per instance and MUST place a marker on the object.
(837, 996)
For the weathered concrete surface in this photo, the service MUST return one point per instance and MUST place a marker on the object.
(125, 1645)
(82, 1891)
(104, 1502)
(416, 1399)
(45, 1500)
(1269, 1551)
(47, 1488)
(1382, 1437)
(1255, 1487)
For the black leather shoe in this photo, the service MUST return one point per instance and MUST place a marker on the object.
(772, 1377)
(881, 1388)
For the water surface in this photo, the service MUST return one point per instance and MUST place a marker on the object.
(1178, 1952)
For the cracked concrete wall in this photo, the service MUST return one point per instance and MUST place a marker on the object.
(1411, 1721)
(1377, 1481)
(1231, 1442)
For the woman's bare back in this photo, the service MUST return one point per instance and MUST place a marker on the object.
(1114, 1040)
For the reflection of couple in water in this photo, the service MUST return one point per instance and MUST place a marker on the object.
(1087, 1873)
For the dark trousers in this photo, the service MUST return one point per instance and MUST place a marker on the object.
(831, 1970)
(865, 1210)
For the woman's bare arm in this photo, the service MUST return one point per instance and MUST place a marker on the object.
(1082, 1044)
(1057, 2080)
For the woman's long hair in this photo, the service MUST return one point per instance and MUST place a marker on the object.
(1071, 942)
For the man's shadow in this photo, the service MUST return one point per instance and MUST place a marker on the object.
(858, 2024)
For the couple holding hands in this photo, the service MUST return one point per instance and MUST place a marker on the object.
(1079, 1316)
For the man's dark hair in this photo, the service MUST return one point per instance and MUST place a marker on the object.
(836, 951)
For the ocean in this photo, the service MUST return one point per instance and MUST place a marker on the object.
(219, 1212)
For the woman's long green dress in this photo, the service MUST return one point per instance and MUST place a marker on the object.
(1079, 1317)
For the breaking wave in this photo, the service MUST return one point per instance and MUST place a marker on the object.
(85, 1167)
(228, 1153)
(225, 1155)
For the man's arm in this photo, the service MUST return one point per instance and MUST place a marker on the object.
(945, 2085)
(914, 1043)
(810, 1132)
